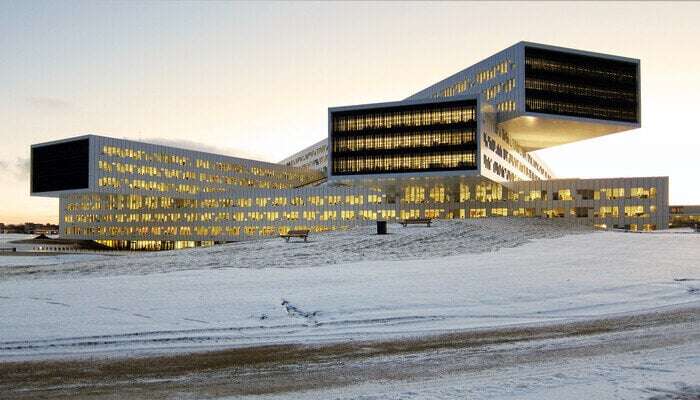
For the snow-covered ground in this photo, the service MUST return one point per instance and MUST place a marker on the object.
(353, 285)
(444, 238)
(9, 237)
(656, 374)
(455, 275)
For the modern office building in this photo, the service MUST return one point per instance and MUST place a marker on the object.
(461, 148)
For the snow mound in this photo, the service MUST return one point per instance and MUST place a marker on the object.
(443, 238)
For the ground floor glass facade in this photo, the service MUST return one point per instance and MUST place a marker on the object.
(153, 223)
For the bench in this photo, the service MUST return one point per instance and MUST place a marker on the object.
(303, 233)
(414, 221)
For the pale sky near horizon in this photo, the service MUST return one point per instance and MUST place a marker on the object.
(256, 79)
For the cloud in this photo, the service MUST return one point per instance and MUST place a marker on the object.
(19, 170)
(49, 103)
(192, 145)
(22, 168)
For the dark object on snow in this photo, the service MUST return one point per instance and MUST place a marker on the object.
(293, 311)
(425, 221)
(302, 233)
(381, 227)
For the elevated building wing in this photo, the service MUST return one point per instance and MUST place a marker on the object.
(546, 96)
(93, 164)
(455, 137)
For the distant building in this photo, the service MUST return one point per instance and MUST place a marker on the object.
(461, 148)
(684, 216)
(30, 228)
(39, 229)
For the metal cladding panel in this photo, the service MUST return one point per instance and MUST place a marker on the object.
(60, 166)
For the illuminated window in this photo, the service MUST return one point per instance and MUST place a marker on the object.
(554, 212)
(463, 192)
(477, 213)
(562, 194)
(607, 211)
(499, 212)
(635, 211)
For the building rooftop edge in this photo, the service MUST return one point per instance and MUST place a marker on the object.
(403, 103)
(305, 149)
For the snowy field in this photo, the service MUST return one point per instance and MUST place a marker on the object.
(445, 238)
(456, 275)
(353, 285)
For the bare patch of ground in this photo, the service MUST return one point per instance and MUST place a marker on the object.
(682, 391)
(288, 368)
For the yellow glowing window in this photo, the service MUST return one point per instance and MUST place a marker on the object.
(477, 213)
(563, 194)
(499, 212)
(463, 192)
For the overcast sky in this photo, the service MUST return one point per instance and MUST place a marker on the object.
(256, 79)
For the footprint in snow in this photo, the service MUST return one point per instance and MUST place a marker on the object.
(58, 303)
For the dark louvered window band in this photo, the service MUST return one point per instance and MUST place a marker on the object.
(581, 86)
(61, 166)
(437, 136)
